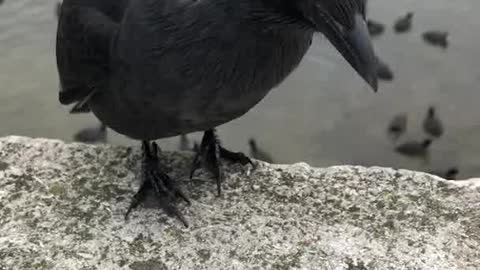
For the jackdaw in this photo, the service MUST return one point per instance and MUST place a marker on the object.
(153, 69)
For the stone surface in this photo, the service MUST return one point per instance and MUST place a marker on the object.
(62, 207)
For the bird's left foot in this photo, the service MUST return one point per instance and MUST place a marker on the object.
(209, 154)
(153, 178)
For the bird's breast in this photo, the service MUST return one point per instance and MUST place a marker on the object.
(229, 82)
(204, 83)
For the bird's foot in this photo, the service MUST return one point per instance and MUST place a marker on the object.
(209, 154)
(164, 187)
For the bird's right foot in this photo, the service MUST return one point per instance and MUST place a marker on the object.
(209, 153)
(164, 187)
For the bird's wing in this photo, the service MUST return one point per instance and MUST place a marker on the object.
(85, 32)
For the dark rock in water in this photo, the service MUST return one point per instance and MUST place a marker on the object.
(414, 148)
(403, 24)
(92, 135)
(258, 153)
(375, 28)
(436, 38)
(384, 72)
(397, 126)
(432, 125)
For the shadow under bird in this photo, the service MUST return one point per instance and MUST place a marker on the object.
(258, 153)
(397, 126)
(92, 135)
(153, 69)
(414, 148)
(404, 23)
(432, 125)
(436, 38)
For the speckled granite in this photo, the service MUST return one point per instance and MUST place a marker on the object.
(62, 207)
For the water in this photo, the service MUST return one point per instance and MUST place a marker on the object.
(323, 114)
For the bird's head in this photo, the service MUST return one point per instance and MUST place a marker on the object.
(344, 24)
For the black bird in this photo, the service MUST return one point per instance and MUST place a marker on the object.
(153, 69)
(375, 28)
(404, 23)
(258, 153)
(432, 125)
(384, 72)
(450, 174)
(414, 148)
(184, 144)
(397, 126)
(436, 38)
(92, 135)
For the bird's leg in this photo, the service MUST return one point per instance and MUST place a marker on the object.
(163, 186)
(209, 154)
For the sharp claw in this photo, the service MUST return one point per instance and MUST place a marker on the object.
(132, 206)
(146, 149)
(192, 172)
(180, 217)
(182, 195)
(254, 165)
(126, 214)
(137, 198)
(219, 187)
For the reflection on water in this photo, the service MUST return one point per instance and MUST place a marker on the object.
(323, 114)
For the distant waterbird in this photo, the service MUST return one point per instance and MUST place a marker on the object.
(404, 23)
(92, 135)
(397, 126)
(436, 38)
(414, 148)
(432, 125)
(384, 72)
(375, 28)
(450, 174)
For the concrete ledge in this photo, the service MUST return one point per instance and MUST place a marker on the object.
(62, 207)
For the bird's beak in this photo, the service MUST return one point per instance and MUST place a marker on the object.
(356, 47)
